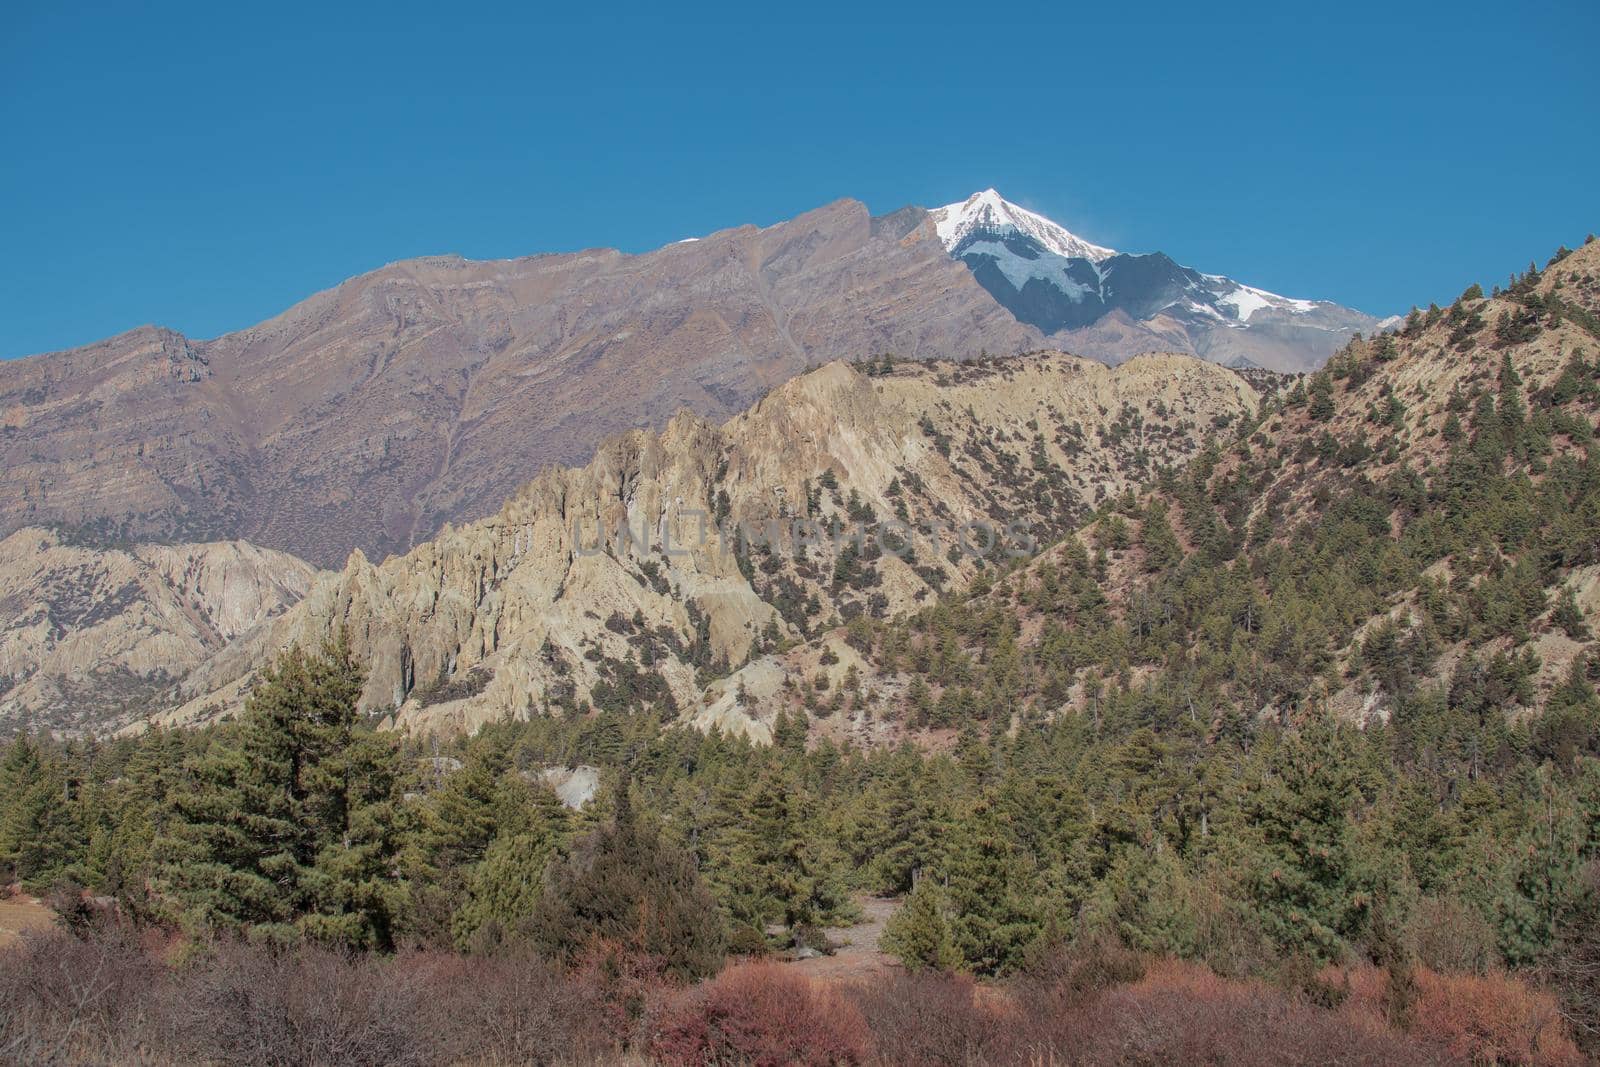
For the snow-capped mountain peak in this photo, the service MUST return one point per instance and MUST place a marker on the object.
(1065, 287)
(989, 213)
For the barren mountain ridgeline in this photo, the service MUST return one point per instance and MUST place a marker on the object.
(427, 391)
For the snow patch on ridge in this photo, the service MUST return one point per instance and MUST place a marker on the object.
(1247, 300)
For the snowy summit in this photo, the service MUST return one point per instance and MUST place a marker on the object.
(1054, 280)
(991, 214)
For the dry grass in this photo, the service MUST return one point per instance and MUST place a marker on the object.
(22, 914)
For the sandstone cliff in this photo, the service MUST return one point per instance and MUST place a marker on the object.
(90, 636)
(544, 605)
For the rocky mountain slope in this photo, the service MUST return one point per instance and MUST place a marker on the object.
(1413, 532)
(739, 536)
(425, 392)
(1112, 305)
(89, 636)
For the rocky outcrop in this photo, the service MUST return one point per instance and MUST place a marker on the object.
(740, 537)
(89, 636)
(425, 392)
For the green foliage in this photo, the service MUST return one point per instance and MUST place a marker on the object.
(1322, 405)
(504, 886)
(919, 933)
(997, 900)
(625, 887)
(1307, 880)
(289, 826)
(40, 834)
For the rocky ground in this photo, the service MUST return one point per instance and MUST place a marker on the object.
(859, 957)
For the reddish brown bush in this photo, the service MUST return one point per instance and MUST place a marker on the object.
(1485, 1019)
(764, 1015)
(1492, 1019)
(935, 1019)
(1183, 1013)
(106, 998)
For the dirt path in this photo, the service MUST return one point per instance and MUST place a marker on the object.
(20, 914)
(859, 957)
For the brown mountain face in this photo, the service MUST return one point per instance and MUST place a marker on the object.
(427, 391)
(90, 636)
(545, 606)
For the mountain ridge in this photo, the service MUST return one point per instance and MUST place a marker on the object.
(373, 411)
(423, 392)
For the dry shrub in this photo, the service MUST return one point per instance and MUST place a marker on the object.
(106, 998)
(65, 999)
(1452, 937)
(240, 1003)
(1491, 1019)
(764, 1015)
(317, 1006)
(109, 999)
(518, 1008)
(1184, 1013)
(1059, 975)
(934, 1019)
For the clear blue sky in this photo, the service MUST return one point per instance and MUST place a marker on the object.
(205, 166)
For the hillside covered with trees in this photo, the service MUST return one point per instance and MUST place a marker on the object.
(1309, 724)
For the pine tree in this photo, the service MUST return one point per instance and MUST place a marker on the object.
(289, 826)
(502, 890)
(1161, 547)
(904, 822)
(1543, 873)
(1306, 880)
(918, 935)
(997, 901)
(41, 837)
(355, 897)
(771, 865)
(1322, 406)
(624, 886)
(1511, 408)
